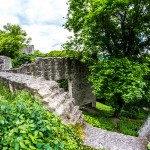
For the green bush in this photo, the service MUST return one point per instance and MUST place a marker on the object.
(22, 59)
(26, 58)
(63, 53)
(119, 82)
(25, 124)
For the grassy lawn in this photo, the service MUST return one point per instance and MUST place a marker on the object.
(101, 117)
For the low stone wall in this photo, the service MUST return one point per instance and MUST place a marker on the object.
(55, 69)
(53, 97)
(145, 129)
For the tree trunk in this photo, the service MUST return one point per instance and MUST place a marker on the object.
(120, 104)
(117, 112)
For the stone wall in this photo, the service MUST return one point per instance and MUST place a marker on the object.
(53, 97)
(61, 68)
(5, 63)
(145, 129)
(29, 49)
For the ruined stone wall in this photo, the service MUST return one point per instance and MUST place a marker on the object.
(62, 68)
(28, 49)
(53, 97)
(145, 129)
(5, 63)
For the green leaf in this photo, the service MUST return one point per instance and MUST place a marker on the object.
(16, 146)
(32, 147)
(27, 142)
(22, 145)
(39, 145)
(36, 133)
(31, 137)
(41, 134)
(2, 122)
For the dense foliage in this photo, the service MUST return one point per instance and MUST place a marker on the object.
(119, 81)
(12, 40)
(25, 124)
(118, 27)
(63, 53)
(112, 35)
(26, 58)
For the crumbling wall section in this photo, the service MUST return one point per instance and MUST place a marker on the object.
(62, 68)
(53, 97)
(5, 63)
(145, 129)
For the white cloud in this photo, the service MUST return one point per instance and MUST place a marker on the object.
(6, 19)
(47, 37)
(45, 11)
(42, 20)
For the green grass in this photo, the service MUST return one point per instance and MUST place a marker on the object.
(103, 107)
(99, 121)
(148, 146)
(129, 126)
(101, 118)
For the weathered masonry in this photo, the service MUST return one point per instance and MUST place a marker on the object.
(145, 129)
(61, 68)
(5, 63)
(51, 95)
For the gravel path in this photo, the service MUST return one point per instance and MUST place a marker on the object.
(99, 138)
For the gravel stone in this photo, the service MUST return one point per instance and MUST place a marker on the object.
(99, 138)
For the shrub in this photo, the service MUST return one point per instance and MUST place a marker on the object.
(119, 82)
(25, 124)
(22, 59)
(63, 53)
(26, 58)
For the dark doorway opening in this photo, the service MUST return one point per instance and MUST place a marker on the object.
(63, 83)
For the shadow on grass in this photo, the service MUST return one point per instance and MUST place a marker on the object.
(101, 117)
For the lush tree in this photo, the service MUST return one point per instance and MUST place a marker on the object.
(38, 53)
(120, 82)
(12, 40)
(118, 27)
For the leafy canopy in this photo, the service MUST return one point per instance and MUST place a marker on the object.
(119, 27)
(119, 81)
(12, 40)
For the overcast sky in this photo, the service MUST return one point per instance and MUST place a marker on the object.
(41, 19)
